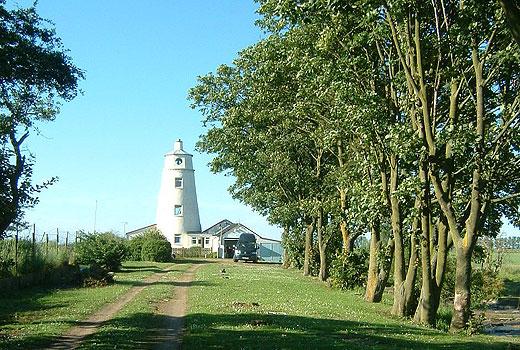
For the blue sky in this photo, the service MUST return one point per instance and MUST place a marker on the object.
(140, 59)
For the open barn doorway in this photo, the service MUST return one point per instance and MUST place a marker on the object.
(229, 247)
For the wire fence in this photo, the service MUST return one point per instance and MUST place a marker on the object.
(29, 249)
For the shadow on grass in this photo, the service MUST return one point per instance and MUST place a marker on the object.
(261, 331)
(264, 331)
(15, 303)
(136, 331)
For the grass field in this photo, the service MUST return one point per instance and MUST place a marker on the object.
(31, 318)
(256, 306)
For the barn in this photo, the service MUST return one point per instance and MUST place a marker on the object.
(226, 234)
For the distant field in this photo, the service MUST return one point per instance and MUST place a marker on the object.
(257, 306)
(511, 272)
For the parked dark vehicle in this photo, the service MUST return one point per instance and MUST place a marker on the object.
(246, 248)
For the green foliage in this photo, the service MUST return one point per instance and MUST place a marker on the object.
(149, 246)
(159, 250)
(444, 315)
(349, 271)
(134, 247)
(105, 250)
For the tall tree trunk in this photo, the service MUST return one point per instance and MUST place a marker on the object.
(462, 300)
(464, 245)
(425, 312)
(285, 257)
(399, 266)
(440, 262)
(309, 231)
(379, 265)
(348, 237)
(322, 247)
(404, 294)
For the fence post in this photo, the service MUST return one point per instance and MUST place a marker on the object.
(67, 240)
(16, 252)
(57, 239)
(46, 244)
(33, 251)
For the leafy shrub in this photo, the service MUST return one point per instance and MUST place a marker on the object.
(349, 271)
(104, 250)
(150, 246)
(134, 247)
(159, 250)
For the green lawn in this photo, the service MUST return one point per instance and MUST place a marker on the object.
(257, 306)
(31, 318)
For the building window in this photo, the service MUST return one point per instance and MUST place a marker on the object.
(177, 239)
(206, 242)
(193, 240)
(178, 182)
(177, 210)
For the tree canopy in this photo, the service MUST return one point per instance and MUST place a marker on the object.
(36, 73)
(396, 119)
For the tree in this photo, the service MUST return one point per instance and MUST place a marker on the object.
(35, 75)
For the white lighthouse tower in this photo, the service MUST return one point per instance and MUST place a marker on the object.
(177, 208)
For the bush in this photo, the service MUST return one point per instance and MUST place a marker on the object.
(159, 250)
(150, 246)
(349, 271)
(105, 250)
(134, 247)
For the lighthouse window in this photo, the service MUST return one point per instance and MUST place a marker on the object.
(177, 239)
(177, 210)
(178, 182)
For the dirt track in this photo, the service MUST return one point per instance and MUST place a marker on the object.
(174, 309)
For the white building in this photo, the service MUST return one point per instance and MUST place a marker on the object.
(177, 207)
(178, 214)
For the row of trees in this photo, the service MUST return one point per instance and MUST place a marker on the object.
(394, 118)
